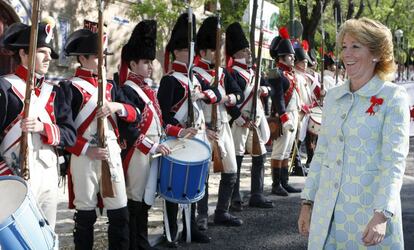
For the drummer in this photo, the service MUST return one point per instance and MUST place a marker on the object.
(51, 125)
(231, 96)
(173, 100)
(142, 141)
(287, 104)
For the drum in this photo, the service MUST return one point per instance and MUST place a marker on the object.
(182, 175)
(315, 119)
(22, 225)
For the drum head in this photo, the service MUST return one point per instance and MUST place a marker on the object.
(193, 150)
(12, 194)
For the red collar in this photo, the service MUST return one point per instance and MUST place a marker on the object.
(21, 72)
(87, 75)
(284, 67)
(241, 65)
(203, 64)
(137, 79)
(179, 67)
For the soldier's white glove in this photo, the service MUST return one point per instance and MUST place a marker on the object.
(263, 91)
(240, 121)
(287, 122)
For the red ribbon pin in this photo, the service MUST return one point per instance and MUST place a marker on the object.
(374, 102)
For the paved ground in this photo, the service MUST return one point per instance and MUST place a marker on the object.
(264, 228)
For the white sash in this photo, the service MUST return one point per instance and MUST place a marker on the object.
(147, 101)
(37, 104)
(207, 108)
(182, 113)
(249, 86)
(90, 106)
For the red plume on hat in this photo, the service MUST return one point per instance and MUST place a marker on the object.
(305, 45)
(284, 33)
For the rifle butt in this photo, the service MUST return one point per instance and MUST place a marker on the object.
(106, 181)
(217, 161)
(256, 149)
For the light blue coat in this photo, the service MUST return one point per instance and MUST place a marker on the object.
(358, 166)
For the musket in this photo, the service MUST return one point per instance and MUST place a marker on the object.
(338, 21)
(24, 151)
(106, 179)
(217, 160)
(322, 52)
(256, 149)
(190, 118)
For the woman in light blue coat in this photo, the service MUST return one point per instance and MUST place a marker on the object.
(351, 198)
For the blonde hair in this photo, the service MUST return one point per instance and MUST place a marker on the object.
(377, 37)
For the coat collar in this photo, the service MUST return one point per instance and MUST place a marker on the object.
(371, 88)
(178, 66)
(87, 75)
(21, 72)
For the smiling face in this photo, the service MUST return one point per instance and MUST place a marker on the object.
(358, 60)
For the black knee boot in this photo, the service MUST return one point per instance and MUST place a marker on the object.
(257, 198)
(202, 210)
(118, 233)
(285, 181)
(277, 188)
(236, 201)
(297, 162)
(196, 235)
(222, 215)
(83, 231)
(138, 225)
(172, 212)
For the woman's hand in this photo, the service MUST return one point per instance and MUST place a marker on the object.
(187, 133)
(109, 108)
(32, 125)
(304, 220)
(375, 230)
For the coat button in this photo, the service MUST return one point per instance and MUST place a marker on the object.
(336, 185)
(343, 116)
(341, 138)
(339, 162)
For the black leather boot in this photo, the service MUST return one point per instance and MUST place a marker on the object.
(222, 215)
(202, 210)
(257, 198)
(118, 232)
(138, 225)
(285, 181)
(172, 212)
(196, 235)
(83, 231)
(277, 188)
(297, 163)
(236, 201)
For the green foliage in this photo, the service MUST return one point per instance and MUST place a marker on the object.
(165, 12)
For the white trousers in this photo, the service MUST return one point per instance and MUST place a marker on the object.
(226, 145)
(282, 146)
(43, 183)
(138, 172)
(86, 178)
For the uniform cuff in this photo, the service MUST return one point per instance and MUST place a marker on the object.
(51, 134)
(210, 95)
